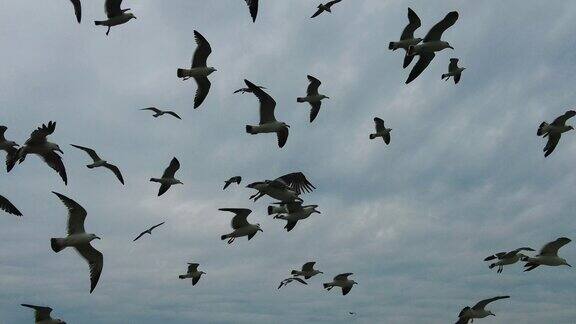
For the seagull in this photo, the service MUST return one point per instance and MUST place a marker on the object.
(381, 131)
(296, 212)
(158, 112)
(268, 123)
(248, 90)
(351, 313)
(9, 147)
(168, 179)
(148, 231)
(548, 255)
(554, 131)
(477, 311)
(506, 258)
(240, 225)
(342, 281)
(432, 43)
(37, 144)
(286, 281)
(236, 179)
(313, 97)
(199, 70)
(42, 315)
(325, 7)
(307, 271)
(8, 207)
(253, 6)
(407, 38)
(286, 188)
(98, 162)
(116, 15)
(192, 273)
(79, 239)
(453, 70)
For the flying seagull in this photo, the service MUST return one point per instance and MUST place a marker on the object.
(432, 43)
(454, 71)
(381, 131)
(79, 239)
(313, 97)
(285, 188)
(192, 273)
(307, 271)
(39, 145)
(407, 38)
(148, 231)
(351, 313)
(341, 281)
(548, 255)
(236, 179)
(247, 90)
(158, 112)
(42, 315)
(506, 258)
(199, 70)
(116, 15)
(9, 147)
(253, 6)
(98, 162)
(477, 311)
(286, 281)
(325, 7)
(295, 213)
(554, 131)
(240, 225)
(268, 123)
(8, 207)
(168, 179)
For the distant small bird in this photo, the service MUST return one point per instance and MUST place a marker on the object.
(351, 313)
(240, 225)
(454, 71)
(158, 112)
(477, 311)
(307, 271)
(79, 239)
(148, 231)
(253, 6)
(407, 38)
(98, 162)
(268, 122)
(168, 179)
(247, 90)
(506, 258)
(295, 213)
(325, 7)
(341, 281)
(9, 147)
(286, 188)
(42, 315)
(381, 131)
(116, 15)
(192, 273)
(286, 281)
(554, 130)
(199, 70)
(8, 207)
(313, 97)
(548, 255)
(236, 179)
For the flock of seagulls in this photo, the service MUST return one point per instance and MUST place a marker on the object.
(285, 190)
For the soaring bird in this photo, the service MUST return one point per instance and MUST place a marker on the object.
(477, 311)
(313, 97)
(268, 123)
(158, 112)
(341, 281)
(42, 315)
(192, 273)
(240, 225)
(325, 7)
(168, 179)
(253, 6)
(407, 38)
(432, 43)
(79, 239)
(295, 213)
(554, 131)
(381, 131)
(148, 231)
(8, 207)
(98, 162)
(248, 90)
(506, 258)
(286, 188)
(454, 71)
(236, 179)
(286, 281)
(39, 145)
(9, 147)
(116, 15)
(548, 255)
(199, 70)
(307, 271)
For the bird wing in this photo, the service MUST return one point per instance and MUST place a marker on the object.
(202, 90)
(253, 6)
(154, 109)
(202, 51)
(561, 121)
(453, 65)
(481, 304)
(90, 152)
(112, 8)
(2, 131)
(552, 248)
(8, 207)
(379, 124)
(297, 181)
(116, 171)
(282, 135)
(163, 189)
(313, 86)
(41, 313)
(413, 24)
(195, 280)
(55, 162)
(95, 261)
(39, 135)
(331, 3)
(239, 220)
(463, 320)
(290, 225)
(513, 253)
(387, 138)
(267, 103)
(139, 236)
(457, 78)
(157, 225)
(553, 139)
(11, 158)
(318, 12)
(299, 280)
(498, 255)
(294, 206)
(435, 33)
(423, 62)
(315, 110)
(308, 266)
(236, 179)
(77, 9)
(342, 276)
(76, 214)
(192, 267)
(171, 169)
(346, 290)
(175, 114)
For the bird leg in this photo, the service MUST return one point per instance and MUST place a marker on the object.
(108, 31)
(500, 268)
(231, 240)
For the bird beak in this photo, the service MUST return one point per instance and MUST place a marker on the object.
(261, 230)
(568, 265)
(317, 211)
(327, 97)
(450, 47)
(135, 17)
(59, 150)
(98, 237)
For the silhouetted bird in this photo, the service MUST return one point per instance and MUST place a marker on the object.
(554, 131)
(236, 179)
(477, 311)
(240, 225)
(148, 231)
(158, 112)
(9, 147)
(98, 162)
(247, 90)
(507, 258)
(42, 315)
(341, 281)
(313, 97)
(253, 6)
(307, 271)
(381, 131)
(192, 273)
(325, 7)
(295, 213)
(168, 179)
(453, 71)
(407, 38)
(286, 188)
(116, 15)
(286, 281)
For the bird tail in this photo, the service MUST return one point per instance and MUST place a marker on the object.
(180, 73)
(98, 23)
(301, 99)
(294, 272)
(270, 210)
(223, 237)
(541, 128)
(373, 136)
(57, 244)
(392, 46)
(250, 129)
(182, 276)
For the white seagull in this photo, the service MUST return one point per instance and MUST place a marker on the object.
(253, 6)
(158, 112)
(453, 71)
(240, 225)
(286, 281)
(79, 239)
(192, 273)
(236, 179)
(199, 70)
(325, 7)
(116, 15)
(295, 213)
(307, 271)
(554, 130)
(8, 207)
(507, 258)
(42, 315)
(548, 255)
(98, 162)
(9, 147)
(477, 311)
(148, 231)
(407, 38)
(313, 97)
(381, 131)
(168, 179)
(341, 281)
(286, 188)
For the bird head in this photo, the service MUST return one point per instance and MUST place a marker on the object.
(258, 228)
(201, 272)
(565, 263)
(325, 97)
(353, 282)
(570, 127)
(179, 182)
(131, 15)
(55, 147)
(448, 45)
(490, 313)
(255, 185)
(211, 70)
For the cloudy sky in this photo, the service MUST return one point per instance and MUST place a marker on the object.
(464, 176)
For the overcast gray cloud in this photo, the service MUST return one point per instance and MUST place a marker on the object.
(464, 176)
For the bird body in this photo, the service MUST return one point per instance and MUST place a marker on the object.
(381, 131)
(295, 213)
(554, 131)
(99, 162)
(286, 188)
(115, 14)
(240, 225)
(453, 71)
(198, 72)
(507, 258)
(148, 231)
(286, 281)
(192, 273)
(307, 271)
(407, 38)
(341, 281)
(278, 193)
(116, 20)
(199, 69)
(270, 127)
(313, 97)
(248, 90)
(548, 255)
(167, 180)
